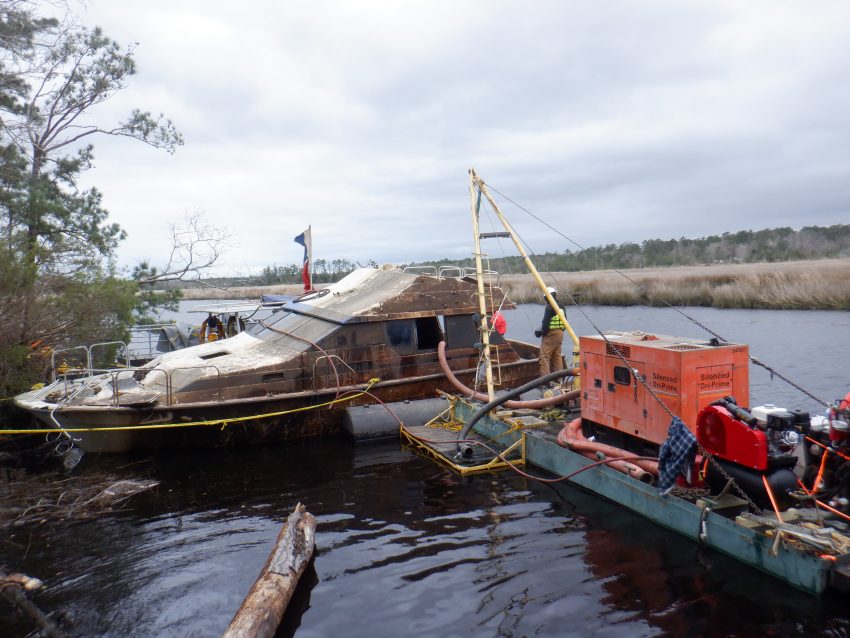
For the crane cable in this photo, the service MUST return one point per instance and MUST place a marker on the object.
(773, 372)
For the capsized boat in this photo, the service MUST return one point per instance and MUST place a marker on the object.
(371, 337)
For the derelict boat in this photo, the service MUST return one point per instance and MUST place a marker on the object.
(371, 337)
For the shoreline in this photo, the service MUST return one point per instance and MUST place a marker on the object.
(822, 284)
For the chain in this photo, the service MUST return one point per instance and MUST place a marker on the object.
(788, 381)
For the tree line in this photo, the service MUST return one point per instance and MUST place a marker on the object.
(746, 246)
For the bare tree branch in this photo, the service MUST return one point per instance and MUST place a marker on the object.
(195, 247)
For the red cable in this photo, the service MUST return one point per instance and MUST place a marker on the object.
(539, 478)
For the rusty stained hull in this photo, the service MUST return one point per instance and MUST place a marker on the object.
(124, 429)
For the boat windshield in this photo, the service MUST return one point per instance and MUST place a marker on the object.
(292, 330)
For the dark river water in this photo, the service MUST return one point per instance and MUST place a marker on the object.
(406, 548)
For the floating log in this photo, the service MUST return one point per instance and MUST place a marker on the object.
(264, 606)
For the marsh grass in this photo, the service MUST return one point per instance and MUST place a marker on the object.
(242, 292)
(822, 284)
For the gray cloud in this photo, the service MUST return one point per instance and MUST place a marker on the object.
(614, 122)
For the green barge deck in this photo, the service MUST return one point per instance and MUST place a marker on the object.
(801, 566)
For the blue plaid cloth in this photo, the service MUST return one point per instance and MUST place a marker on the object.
(676, 456)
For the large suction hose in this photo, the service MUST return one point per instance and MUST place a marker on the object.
(466, 449)
(535, 404)
(573, 438)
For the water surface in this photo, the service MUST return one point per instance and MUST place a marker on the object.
(406, 548)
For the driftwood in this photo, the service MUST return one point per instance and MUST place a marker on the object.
(28, 500)
(12, 588)
(264, 606)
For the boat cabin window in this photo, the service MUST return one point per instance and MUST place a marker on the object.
(213, 355)
(411, 335)
(462, 332)
(622, 375)
(428, 333)
(400, 333)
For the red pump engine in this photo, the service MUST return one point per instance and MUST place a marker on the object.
(724, 436)
(751, 449)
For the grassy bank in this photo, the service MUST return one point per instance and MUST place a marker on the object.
(242, 292)
(822, 284)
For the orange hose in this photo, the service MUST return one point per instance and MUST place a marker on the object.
(832, 509)
(818, 443)
(535, 404)
(572, 437)
(770, 496)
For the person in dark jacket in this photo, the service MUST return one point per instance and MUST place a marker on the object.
(211, 330)
(552, 336)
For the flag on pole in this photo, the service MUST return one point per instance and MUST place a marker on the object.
(306, 240)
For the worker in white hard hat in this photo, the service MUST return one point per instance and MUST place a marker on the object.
(552, 333)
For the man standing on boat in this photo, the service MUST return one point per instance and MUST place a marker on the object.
(552, 333)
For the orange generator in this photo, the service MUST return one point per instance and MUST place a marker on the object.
(686, 374)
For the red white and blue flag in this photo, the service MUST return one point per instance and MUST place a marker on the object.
(306, 240)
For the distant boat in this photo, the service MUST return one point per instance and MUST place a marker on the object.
(371, 337)
(148, 341)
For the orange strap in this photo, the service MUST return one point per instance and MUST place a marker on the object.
(770, 495)
(843, 456)
(820, 471)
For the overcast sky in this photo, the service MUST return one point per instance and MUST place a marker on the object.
(611, 121)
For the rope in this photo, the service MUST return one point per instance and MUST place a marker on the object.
(773, 372)
(210, 422)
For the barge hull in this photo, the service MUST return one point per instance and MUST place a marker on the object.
(805, 571)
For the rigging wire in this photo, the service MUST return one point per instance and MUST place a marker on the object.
(773, 372)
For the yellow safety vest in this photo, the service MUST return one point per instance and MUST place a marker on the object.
(555, 323)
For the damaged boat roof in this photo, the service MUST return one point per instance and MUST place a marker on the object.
(370, 294)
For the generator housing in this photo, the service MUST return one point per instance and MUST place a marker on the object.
(685, 374)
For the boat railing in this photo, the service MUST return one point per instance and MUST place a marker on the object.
(144, 340)
(448, 272)
(104, 344)
(57, 351)
(90, 374)
(421, 270)
(88, 369)
(170, 400)
(492, 274)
